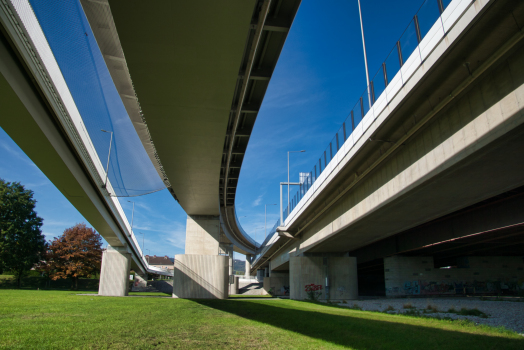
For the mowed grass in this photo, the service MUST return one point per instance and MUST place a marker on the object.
(64, 320)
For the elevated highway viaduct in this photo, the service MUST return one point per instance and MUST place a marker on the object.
(427, 196)
(192, 76)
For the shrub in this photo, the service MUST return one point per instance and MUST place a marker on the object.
(314, 291)
(408, 306)
(390, 308)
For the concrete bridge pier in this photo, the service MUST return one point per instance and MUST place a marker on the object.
(336, 274)
(202, 273)
(114, 275)
(247, 274)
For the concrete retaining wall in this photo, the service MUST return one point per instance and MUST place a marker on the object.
(338, 274)
(477, 275)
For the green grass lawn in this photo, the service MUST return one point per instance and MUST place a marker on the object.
(64, 320)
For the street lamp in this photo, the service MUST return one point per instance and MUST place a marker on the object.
(143, 246)
(108, 155)
(132, 216)
(288, 201)
(365, 56)
(265, 220)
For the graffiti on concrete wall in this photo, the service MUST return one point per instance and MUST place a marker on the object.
(411, 287)
(421, 287)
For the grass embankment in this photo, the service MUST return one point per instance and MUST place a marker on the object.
(63, 320)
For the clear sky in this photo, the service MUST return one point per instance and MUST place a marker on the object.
(318, 79)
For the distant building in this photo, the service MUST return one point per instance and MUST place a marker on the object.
(161, 262)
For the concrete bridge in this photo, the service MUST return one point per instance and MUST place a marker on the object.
(192, 80)
(429, 177)
(424, 196)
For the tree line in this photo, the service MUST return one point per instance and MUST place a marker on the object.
(76, 253)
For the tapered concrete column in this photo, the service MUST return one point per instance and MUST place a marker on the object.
(247, 274)
(336, 275)
(202, 235)
(114, 275)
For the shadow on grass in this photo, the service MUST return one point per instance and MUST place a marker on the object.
(357, 329)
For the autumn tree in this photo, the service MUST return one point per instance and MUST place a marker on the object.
(77, 253)
(21, 241)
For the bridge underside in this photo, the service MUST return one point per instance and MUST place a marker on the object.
(440, 206)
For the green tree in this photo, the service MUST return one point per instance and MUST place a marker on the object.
(22, 244)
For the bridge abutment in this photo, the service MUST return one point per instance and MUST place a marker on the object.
(114, 275)
(336, 274)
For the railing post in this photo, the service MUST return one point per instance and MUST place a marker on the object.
(330, 151)
(338, 146)
(362, 107)
(344, 127)
(417, 28)
(385, 74)
(281, 209)
(320, 166)
(440, 7)
(372, 87)
(399, 50)
(325, 161)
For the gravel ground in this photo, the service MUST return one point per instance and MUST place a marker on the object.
(509, 314)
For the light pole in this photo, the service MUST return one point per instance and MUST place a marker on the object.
(143, 246)
(288, 201)
(132, 216)
(265, 220)
(108, 155)
(365, 56)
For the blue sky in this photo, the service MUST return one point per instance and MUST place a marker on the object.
(318, 79)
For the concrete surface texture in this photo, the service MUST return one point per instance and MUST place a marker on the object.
(277, 284)
(247, 274)
(202, 235)
(201, 276)
(337, 275)
(114, 275)
(251, 288)
(475, 275)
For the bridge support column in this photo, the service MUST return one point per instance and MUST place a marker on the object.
(337, 276)
(114, 275)
(247, 274)
(201, 273)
